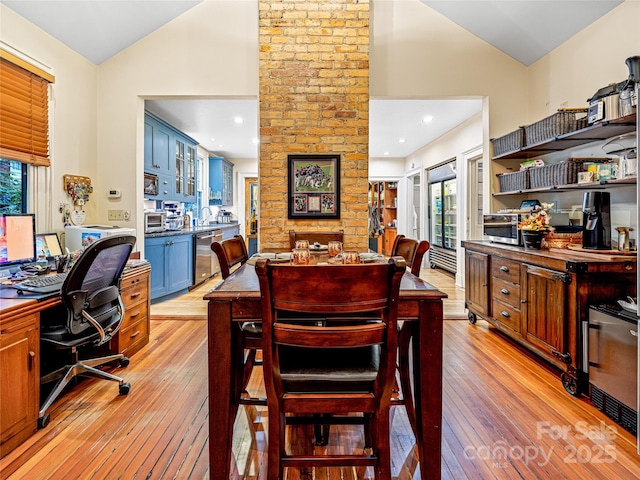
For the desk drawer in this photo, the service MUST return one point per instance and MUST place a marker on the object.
(506, 292)
(506, 314)
(134, 293)
(504, 269)
(133, 314)
(132, 334)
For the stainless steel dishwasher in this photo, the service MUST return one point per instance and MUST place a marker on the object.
(206, 262)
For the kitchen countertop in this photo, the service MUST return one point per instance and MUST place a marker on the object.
(192, 230)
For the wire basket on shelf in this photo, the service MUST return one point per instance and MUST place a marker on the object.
(561, 122)
(510, 142)
(514, 181)
(563, 173)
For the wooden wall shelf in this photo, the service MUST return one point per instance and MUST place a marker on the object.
(623, 182)
(592, 133)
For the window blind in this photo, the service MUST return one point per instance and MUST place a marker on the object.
(24, 113)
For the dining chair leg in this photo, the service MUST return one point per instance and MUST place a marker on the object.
(276, 445)
(404, 341)
(321, 430)
(247, 369)
(381, 440)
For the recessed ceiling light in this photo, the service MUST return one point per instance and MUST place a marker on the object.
(220, 145)
(238, 120)
(213, 139)
(401, 140)
(386, 153)
(256, 140)
(427, 119)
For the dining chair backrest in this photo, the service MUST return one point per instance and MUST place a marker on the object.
(230, 252)
(411, 250)
(330, 343)
(312, 237)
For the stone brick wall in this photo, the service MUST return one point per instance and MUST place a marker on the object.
(314, 98)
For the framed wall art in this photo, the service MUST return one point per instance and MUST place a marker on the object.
(314, 186)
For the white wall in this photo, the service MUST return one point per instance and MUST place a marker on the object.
(73, 109)
(418, 53)
(211, 50)
(454, 144)
(591, 59)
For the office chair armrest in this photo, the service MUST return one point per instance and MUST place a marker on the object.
(96, 325)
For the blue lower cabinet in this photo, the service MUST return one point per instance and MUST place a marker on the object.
(171, 260)
(253, 246)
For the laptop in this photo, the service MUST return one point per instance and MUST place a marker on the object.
(48, 244)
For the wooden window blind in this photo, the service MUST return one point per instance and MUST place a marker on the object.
(24, 114)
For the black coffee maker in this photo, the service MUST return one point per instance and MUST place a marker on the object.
(596, 221)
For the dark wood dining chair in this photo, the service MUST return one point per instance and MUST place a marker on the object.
(232, 252)
(413, 252)
(330, 348)
(321, 237)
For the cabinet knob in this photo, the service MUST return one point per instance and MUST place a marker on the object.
(504, 291)
(504, 313)
(504, 268)
(32, 359)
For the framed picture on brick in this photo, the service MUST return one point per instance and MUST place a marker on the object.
(314, 186)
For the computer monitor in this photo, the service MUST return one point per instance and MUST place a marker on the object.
(48, 244)
(17, 238)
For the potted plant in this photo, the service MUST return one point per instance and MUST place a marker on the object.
(535, 226)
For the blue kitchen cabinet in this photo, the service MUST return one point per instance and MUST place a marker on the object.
(171, 259)
(170, 159)
(220, 181)
(185, 168)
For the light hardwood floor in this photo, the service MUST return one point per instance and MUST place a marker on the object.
(505, 416)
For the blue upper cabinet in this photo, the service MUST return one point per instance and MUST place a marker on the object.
(169, 157)
(220, 181)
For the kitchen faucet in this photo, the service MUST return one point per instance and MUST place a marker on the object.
(202, 217)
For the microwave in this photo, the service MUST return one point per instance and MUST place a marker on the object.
(502, 227)
(155, 222)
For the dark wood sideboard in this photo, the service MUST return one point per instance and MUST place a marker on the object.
(541, 298)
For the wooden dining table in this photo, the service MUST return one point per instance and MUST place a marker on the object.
(237, 300)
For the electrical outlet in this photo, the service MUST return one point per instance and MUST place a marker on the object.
(115, 215)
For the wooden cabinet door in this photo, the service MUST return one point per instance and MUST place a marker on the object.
(19, 381)
(476, 287)
(545, 294)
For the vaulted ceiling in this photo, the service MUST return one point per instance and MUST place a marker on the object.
(523, 29)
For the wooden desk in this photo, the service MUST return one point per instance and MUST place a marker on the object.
(237, 300)
(20, 351)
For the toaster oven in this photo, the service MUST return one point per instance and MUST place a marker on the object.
(502, 227)
(155, 222)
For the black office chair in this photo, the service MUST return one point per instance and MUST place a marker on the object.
(91, 314)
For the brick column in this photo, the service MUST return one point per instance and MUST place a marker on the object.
(314, 98)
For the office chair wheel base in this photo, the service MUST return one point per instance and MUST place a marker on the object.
(472, 318)
(124, 388)
(43, 421)
(124, 362)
